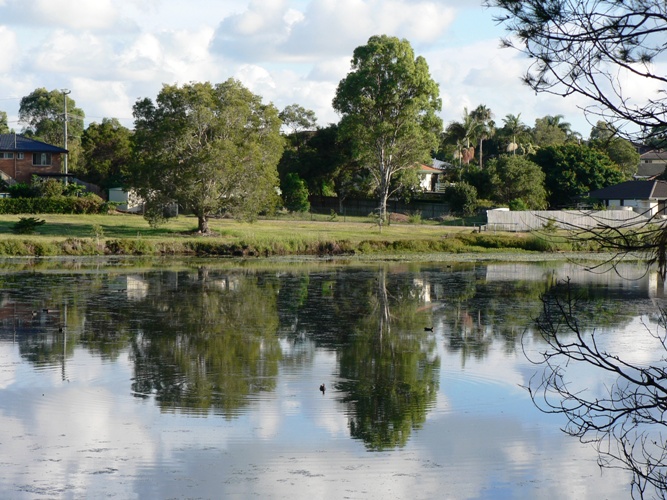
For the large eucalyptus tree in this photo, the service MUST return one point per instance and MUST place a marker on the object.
(388, 103)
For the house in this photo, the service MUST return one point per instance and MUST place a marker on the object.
(651, 164)
(22, 157)
(128, 201)
(647, 197)
(432, 178)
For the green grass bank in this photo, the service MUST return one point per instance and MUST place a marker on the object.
(122, 234)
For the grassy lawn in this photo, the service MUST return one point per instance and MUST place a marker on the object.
(320, 228)
(123, 234)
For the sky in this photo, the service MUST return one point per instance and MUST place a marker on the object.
(110, 53)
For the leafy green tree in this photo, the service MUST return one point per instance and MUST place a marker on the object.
(480, 179)
(295, 193)
(604, 137)
(462, 198)
(4, 125)
(209, 148)
(298, 119)
(388, 104)
(299, 158)
(573, 170)
(43, 113)
(333, 168)
(551, 131)
(106, 153)
(517, 178)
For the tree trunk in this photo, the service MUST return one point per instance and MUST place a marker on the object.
(203, 224)
(481, 141)
(384, 196)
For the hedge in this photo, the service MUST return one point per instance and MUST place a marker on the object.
(54, 205)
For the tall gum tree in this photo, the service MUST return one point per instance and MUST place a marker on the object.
(209, 148)
(388, 103)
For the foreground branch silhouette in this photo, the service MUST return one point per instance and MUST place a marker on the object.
(594, 48)
(626, 420)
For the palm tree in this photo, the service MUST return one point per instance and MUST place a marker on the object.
(462, 132)
(513, 127)
(485, 126)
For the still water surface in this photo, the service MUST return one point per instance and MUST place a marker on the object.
(202, 381)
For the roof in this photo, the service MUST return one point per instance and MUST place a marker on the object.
(632, 190)
(429, 170)
(655, 155)
(17, 142)
(648, 170)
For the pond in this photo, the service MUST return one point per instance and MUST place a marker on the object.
(202, 379)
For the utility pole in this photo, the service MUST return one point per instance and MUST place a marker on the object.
(65, 94)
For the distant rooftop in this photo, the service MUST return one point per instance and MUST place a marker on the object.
(632, 190)
(655, 155)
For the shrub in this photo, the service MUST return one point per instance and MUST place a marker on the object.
(295, 193)
(129, 247)
(462, 198)
(21, 190)
(48, 188)
(518, 205)
(27, 225)
(415, 217)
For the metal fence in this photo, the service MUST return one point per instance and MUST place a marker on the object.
(428, 209)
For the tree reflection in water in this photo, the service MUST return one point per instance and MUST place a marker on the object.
(389, 369)
(207, 345)
(209, 341)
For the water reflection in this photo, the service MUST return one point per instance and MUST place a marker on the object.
(202, 340)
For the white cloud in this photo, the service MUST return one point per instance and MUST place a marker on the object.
(481, 73)
(10, 48)
(288, 51)
(69, 53)
(81, 14)
(254, 34)
(110, 99)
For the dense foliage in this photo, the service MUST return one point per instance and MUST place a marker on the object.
(516, 178)
(106, 153)
(572, 171)
(211, 149)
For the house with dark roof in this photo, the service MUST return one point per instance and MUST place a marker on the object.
(643, 197)
(22, 157)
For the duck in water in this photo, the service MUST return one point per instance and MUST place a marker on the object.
(323, 388)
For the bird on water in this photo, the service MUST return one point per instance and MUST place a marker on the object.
(323, 388)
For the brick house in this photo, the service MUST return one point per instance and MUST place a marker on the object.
(21, 158)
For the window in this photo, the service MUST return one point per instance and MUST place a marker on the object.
(42, 159)
(6, 156)
(19, 156)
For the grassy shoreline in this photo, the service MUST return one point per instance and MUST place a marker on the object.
(122, 234)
